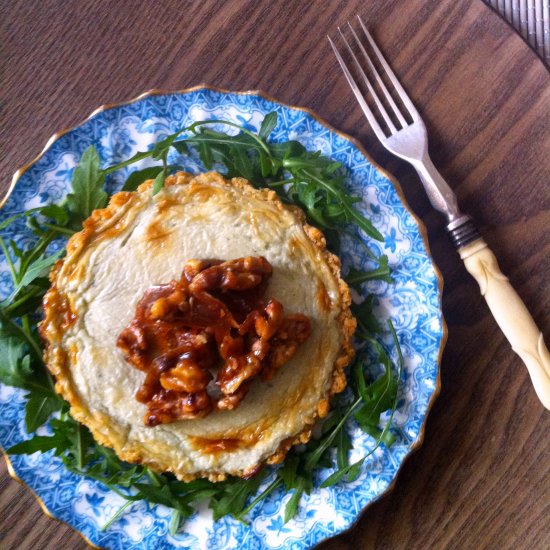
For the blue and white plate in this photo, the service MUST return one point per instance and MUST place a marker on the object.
(413, 302)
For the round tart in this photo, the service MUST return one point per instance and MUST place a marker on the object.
(140, 241)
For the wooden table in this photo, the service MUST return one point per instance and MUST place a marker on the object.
(481, 478)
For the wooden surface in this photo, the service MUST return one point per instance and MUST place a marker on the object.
(481, 479)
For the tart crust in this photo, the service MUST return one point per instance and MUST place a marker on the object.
(67, 318)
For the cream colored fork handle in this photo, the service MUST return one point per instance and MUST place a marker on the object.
(511, 315)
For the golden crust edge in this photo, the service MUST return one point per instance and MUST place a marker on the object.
(58, 363)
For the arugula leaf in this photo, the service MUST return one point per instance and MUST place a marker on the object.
(8, 328)
(287, 149)
(82, 441)
(351, 471)
(158, 182)
(14, 371)
(87, 186)
(268, 125)
(159, 495)
(378, 396)
(38, 409)
(287, 473)
(40, 443)
(314, 457)
(233, 499)
(291, 507)
(366, 321)
(121, 511)
(54, 212)
(343, 446)
(38, 268)
(175, 520)
(263, 495)
(356, 278)
(135, 179)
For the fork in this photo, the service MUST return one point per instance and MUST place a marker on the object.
(409, 141)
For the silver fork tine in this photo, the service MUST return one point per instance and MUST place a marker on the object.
(372, 91)
(379, 78)
(401, 92)
(359, 96)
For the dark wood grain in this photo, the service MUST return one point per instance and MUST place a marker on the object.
(481, 479)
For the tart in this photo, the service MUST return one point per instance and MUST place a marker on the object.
(141, 242)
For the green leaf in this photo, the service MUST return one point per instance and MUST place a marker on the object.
(265, 165)
(52, 211)
(365, 316)
(287, 473)
(327, 441)
(264, 494)
(205, 153)
(117, 515)
(356, 278)
(135, 179)
(287, 149)
(234, 497)
(29, 302)
(87, 186)
(385, 437)
(38, 268)
(158, 183)
(158, 495)
(181, 147)
(378, 396)
(268, 125)
(55, 212)
(365, 224)
(343, 446)
(156, 479)
(40, 443)
(83, 440)
(175, 520)
(38, 409)
(8, 327)
(352, 472)
(11, 219)
(14, 371)
(161, 148)
(291, 508)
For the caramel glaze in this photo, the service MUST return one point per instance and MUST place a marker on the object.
(216, 446)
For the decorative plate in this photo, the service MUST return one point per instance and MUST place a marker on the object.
(413, 302)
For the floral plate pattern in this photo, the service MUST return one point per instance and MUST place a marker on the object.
(413, 302)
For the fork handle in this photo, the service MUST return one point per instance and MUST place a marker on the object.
(510, 313)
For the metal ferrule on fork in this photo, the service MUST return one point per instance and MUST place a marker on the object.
(463, 231)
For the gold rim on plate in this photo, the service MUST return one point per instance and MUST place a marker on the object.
(421, 228)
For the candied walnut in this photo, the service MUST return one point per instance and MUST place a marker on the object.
(165, 407)
(293, 331)
(186, 376)
(214, 318)
(241, 274)
(231, 401)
